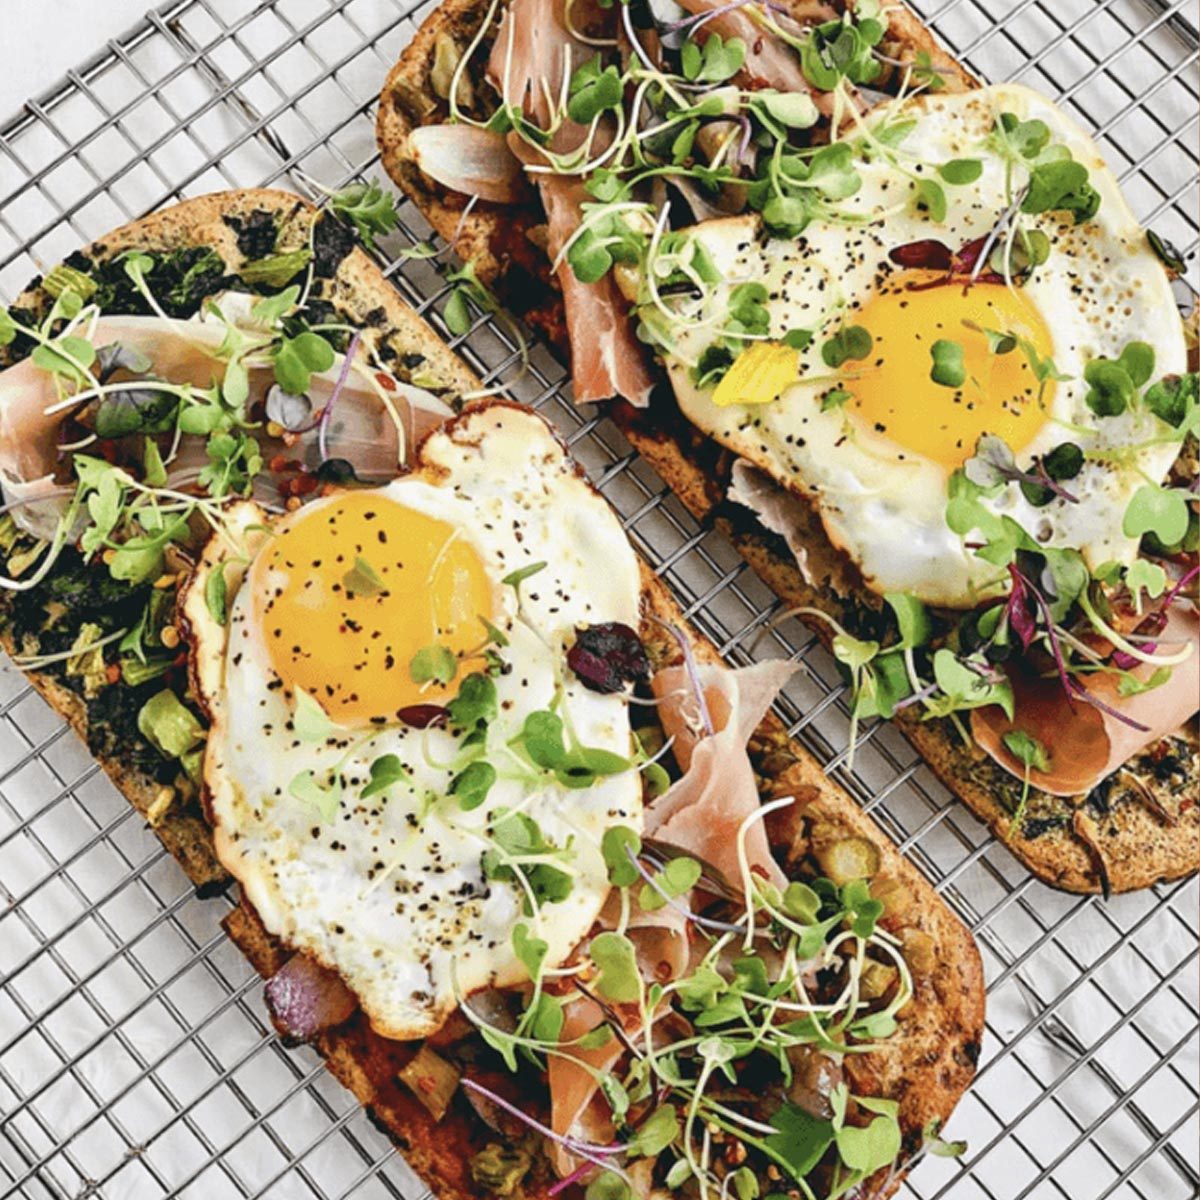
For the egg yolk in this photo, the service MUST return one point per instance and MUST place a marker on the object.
(894, 394)
(348, 592)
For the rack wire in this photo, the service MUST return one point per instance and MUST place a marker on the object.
(135, 1060)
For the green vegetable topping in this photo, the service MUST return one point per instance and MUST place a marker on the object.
(169, 727)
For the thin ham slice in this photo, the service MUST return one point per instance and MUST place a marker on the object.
(573, 1087)
(1084, 743)
(777, 509)
(702, 812)
(305, 998)
(360, 429)
(660, 938)
(607, 360)
(533, 54)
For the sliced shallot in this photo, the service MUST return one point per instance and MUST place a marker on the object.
(467, 159)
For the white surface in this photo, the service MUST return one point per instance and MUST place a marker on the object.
(43, 39)
(100, 900)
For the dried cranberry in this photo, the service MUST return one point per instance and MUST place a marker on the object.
(605, 657)
(928, 253)
(422, 716)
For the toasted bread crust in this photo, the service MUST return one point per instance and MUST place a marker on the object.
(1120, 844)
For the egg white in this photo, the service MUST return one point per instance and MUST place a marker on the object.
(884, 506)
(428, 927)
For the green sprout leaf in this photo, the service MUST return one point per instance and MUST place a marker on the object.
(960, 171)
(386, 772)
(931, 198)
(616, 845)
(677, 878)
(875, 1146)
(471, 786)
(965, 688)
(542, 737)
(658, 1131)
(215, 594)
(1026, 749)
(614, 956)
(362, 579)
(1174, 399)
(270, 310)
(802, 1138)
(476, 703)
(854, 652)
(1157, 510)
(433, 664)
(514, 579)
(850, 342)
(1143, 575)
(457, 314)
(325, 800)
(792, 110)
(298, 358)
(310, 722)
(594, 89)
(530, 951)
(949, 369)
(714, 62)
(912, 618)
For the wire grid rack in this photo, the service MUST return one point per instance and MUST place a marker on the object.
(135, 1060)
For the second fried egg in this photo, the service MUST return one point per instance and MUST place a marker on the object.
(872, 437)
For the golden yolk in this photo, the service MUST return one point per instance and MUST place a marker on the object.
(892, 390)
(351, 650)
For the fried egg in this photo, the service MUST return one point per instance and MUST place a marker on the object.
(874, 441)
(326, 609)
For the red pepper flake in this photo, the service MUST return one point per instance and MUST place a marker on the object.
(385, 381)
(112, 672)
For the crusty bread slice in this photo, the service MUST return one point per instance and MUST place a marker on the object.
(925, 1066)
(1135, 829)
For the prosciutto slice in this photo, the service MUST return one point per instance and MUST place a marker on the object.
(777, 509)
(1084, 743)
(533, 54)
(660, 938)
(360, 428)
(573, 1087)
(606, 358)
(532, 57)
(704, 810)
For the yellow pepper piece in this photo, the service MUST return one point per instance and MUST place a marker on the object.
(758, 375)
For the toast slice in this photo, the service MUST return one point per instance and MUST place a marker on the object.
(924, 1067)
(1138, 827)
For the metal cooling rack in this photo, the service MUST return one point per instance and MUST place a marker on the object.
(134, 1057)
